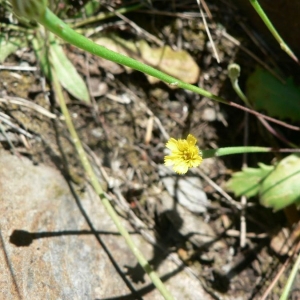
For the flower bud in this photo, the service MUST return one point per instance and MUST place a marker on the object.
(234, 71)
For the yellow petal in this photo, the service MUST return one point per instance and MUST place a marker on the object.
(184, 154)
(182, 145)
(169, 160)
(172, 144)
(196, 162)
(191, 139)
(180, 169)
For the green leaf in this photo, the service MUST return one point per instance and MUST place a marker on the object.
(267, 93)
(67, 73)
(65, 70)
(282, 187)
(91, 7)
(9, 46)
(247, 182)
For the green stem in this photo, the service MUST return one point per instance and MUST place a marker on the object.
(44, 16)
(234, 71)
(236, 150)
(97, 187)
(58, 27)
(272, 29)
(291, 279)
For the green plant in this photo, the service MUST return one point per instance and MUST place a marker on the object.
(272, 29)
(37, 11)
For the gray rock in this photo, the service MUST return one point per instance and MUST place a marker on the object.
(49, 251)
(187, 189)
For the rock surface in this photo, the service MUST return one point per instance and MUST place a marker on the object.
(49, 250)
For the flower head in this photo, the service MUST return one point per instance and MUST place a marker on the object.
(184, 154)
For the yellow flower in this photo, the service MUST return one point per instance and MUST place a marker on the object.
(184, 154)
